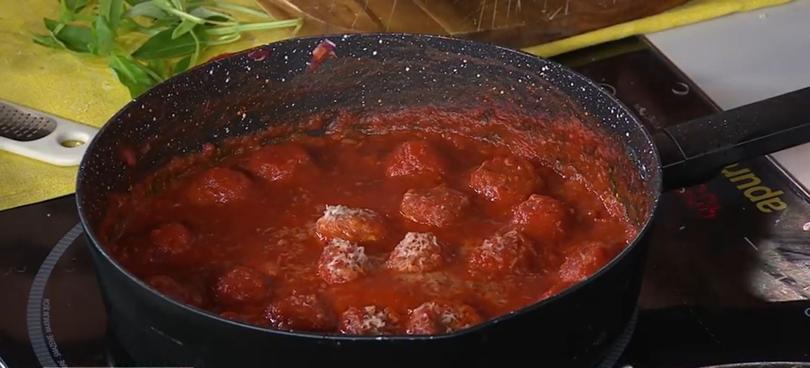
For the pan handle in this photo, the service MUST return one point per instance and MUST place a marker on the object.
(693, 152)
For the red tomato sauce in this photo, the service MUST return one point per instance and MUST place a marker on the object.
(405, 230)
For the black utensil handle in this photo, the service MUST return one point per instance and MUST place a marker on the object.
(693, 152)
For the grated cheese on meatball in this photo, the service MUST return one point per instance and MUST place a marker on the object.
(353, 224)
(342, 261)
(369, 320)
(501, 254)
(432, 318)
(417, 252)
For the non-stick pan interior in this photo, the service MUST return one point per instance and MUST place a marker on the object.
(278, 85)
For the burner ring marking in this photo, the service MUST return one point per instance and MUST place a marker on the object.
(35, 319)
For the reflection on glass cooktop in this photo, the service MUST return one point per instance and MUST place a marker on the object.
(728, 275)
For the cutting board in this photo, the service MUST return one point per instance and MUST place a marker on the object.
(514, 23)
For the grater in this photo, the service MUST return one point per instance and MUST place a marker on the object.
(42, 136)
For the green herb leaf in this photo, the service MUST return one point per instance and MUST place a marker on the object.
(112, 11)
(104, 37)
(163, 4)
(75, 5)
(221, 40)
(179, 5)
(147, 9)
(197, 48)
(174, 44)
(218, 31)
(69, 9)
(126, 26)
(161, 67)
(184, 27)
(182, 65)
(170, 8)
(213, 15)
(163, 46)
(135, 76)
(74, 38)
(159, 25)
(116, 13)
(48, 41)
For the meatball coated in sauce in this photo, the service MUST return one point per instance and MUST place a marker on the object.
(241, 285)
(503, 253)
(305, 312)
(170, 239)
(437, 207)
(369, 320)
(504, 180)
(417, 252)
(342, 261)
(353, 224)
(278, 163)
(435, 318)
(173, 289)
(218, 186)
(415, 159)
(583, 260)
(543, 218)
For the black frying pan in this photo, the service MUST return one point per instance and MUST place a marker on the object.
(372, 74)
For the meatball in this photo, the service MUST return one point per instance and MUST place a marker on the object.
(353, 224)
(415, 159)
(278, 163)
(305, 312)
(435, 318)
(503, 253)
(369, 320)
(504, 180)
(438, 206)
(417, 252)
(241, 285)
(342, 261)
(582, 260)
(218, 186)
(170, 239)
(173, 289)
(543, 218)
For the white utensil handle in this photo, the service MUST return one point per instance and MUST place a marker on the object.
(49, 148)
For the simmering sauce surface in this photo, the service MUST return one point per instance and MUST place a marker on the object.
(403, 232)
